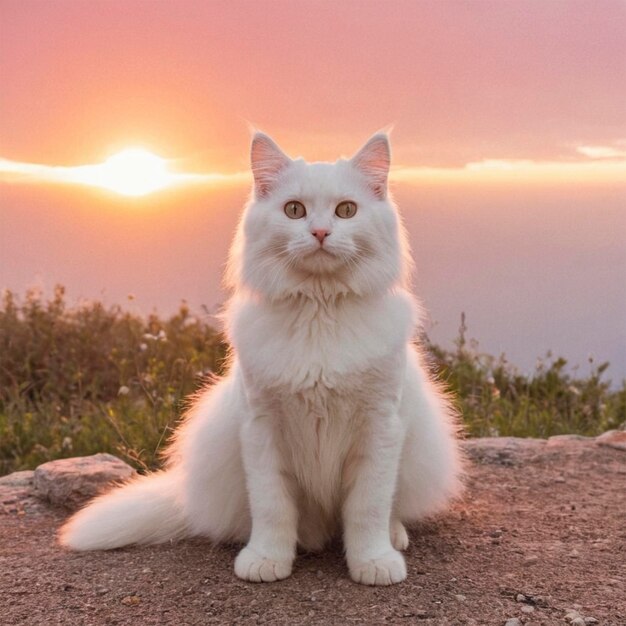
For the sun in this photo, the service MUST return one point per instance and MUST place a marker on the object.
(133, 172)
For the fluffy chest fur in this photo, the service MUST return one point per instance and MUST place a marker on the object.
(302, 343)
(317, 368)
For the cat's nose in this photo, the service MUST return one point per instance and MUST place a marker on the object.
(320, 234)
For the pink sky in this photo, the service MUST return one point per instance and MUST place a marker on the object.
(536, 266)
(461, 81)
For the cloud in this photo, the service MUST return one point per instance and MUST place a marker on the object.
(602, 152)
(489, 171)
(607, 166)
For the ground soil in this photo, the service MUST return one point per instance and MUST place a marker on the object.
(541, 520)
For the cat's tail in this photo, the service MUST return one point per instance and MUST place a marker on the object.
(145, 510)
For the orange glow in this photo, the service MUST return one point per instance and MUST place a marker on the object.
(132, 172)
(136, 172)
(511, 171)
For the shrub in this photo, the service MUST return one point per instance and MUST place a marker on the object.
(85, 379)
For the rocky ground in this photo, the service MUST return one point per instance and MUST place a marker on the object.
(540, 538)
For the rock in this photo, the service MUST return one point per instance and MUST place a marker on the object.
(570, 616)
(501, 450)
(561, 440)
(613, 439)
(578, 621)
(513, 621)
(17, 494)
(520, 597)
(591, 620)
(531, 559)
(528, 609)
(460, 597)
(71, 482)
(131, 600)
(17, 479)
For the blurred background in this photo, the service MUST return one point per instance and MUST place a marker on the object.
(509, 148)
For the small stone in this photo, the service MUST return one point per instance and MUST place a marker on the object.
(100, 590)
(146, 570)
(571, 615)
(520, 597)
(579, 621)
(574, 554)
(613, 439)
(71, 482)
(591, 620)
(512, 621)
(22, 478)
(527, 608)
(460, 597)
(531, 559)
(564, 440)
(131, 600)
(506, 451)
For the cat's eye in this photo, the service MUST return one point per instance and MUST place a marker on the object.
(345, 209)
(295, 210)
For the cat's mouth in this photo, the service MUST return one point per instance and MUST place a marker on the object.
(320, 260)
(322, 250)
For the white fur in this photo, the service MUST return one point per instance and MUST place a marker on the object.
(327, 420)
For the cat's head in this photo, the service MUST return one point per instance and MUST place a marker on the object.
(319, 228)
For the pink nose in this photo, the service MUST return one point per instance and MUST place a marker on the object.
(320, 234)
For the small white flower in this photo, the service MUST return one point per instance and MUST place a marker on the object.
(123, 391)
(66, 444)
(162, 336)
(574, 390)
(143, 347)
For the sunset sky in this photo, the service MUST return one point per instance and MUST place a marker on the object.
(509, 138)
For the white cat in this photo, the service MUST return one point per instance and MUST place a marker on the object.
(327, 421)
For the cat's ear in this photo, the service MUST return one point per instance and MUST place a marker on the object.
(267, 161)
(373, 160)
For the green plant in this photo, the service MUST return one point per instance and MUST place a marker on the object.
(89, 378)
(495, 399)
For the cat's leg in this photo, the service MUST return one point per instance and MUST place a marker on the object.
(371, 557)
(431, 465)
(271, 549)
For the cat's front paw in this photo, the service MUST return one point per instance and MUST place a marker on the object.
(387, 569)
(252, 566)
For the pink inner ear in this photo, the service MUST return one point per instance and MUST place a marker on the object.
(373, 160)
(267, 161)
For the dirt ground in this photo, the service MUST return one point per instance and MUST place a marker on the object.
(546, 521)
